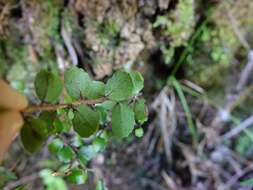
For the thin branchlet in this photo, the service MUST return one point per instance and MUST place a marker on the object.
(53, 107)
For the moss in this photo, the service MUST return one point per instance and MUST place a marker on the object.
(177, 26)
(70, 24)
(45, 28)
(108, 33)
(12, 52)
(217, 46)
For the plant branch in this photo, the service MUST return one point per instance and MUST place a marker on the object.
(236, 130)
(21, 181)
(52, 107)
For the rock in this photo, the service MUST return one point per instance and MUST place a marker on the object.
(124, 34)
(163, 4)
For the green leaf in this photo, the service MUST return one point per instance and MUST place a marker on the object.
(67, 124)
(77, 81)
(161, 21)
(86, 121)
(62, 124)
(65, 154)
(122, 120)
(95, 90)
(119, 87)
(107, 105)
(33, 134)
(105, 135)
(58, 126)
(138, 132)
(140, 111)
(82, 158)
(103, 114)
(38, 125)
(71, 114)
(86, 153)
(103, 109)
(48, 86)
(247, 182)
(52, 182)
(186, 108)
(67, 99)
(49, 118)
(99, 144)
(101, 185)
(61, 111)
(55, 145)
(137, 80)
(76, 141)
(77, 176)
(6, 175)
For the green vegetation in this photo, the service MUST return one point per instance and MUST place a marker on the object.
(108, 33)
(177, 27)
(85, 117)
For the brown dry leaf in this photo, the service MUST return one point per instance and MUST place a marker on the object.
(10, 98)
(10, 124)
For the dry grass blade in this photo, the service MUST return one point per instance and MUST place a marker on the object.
(165, 106)
(239, 128)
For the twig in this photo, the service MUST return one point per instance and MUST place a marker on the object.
(71, 50)
(237, 176)
(164, 104)
(239, 97)
(52, 107)
(230, 106)
(169, 181)
(245, 74)
(21, 181)
(235, 131)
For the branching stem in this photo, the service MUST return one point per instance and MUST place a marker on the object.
(52, 107)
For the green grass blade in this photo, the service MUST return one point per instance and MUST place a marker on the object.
(188, 114)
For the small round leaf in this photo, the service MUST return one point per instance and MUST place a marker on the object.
(33, 134)
(138, 81)
(77, 82)
(101, 186)
(95, 90)
(49, 118)
(65, 154)
(119, 87)
(140, 111)
(48, 86)
(86, 121)
(77, 176)
(55, 145)
(139, 132)
(87, 152)
(122, 120)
